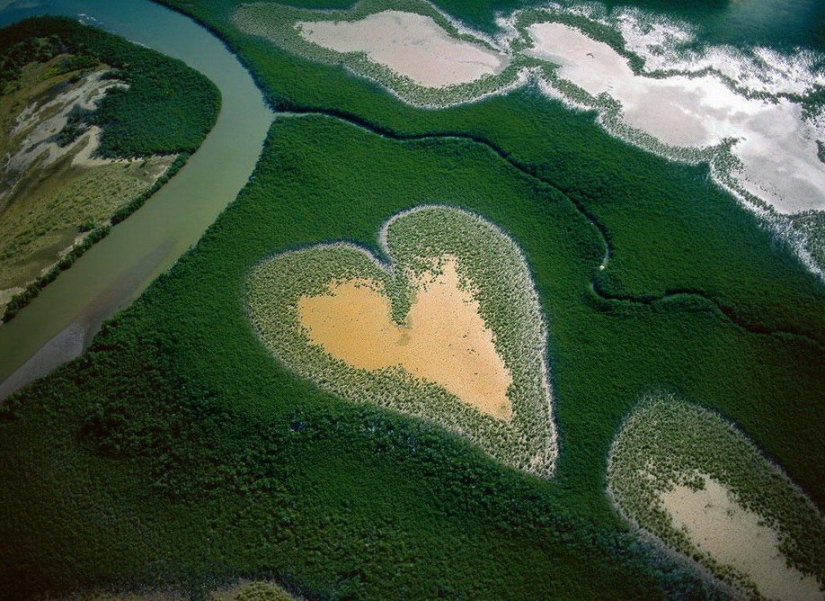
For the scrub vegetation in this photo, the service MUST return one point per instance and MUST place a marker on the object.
(189, 455)
(152, 114)
(242, 591)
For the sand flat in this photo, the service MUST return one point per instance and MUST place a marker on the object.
(734, 536)
(410, 44)
(444, 341)
(777, 148)
(37, 125)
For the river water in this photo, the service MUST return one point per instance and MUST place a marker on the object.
(61, 322)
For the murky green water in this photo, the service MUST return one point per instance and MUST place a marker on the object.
(118, 269)
(777, 23)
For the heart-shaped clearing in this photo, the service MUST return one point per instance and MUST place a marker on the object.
(444, 341)
(450, 332)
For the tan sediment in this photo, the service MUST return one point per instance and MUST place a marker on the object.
(444, 341)
(409, 44)
(733, 536)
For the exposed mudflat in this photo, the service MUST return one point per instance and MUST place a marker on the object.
(444, 341)
(409, 44)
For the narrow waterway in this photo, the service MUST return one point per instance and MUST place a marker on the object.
(61, 322)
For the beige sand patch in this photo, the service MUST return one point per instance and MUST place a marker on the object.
(410, 44)
(736, 537)
(444, 341)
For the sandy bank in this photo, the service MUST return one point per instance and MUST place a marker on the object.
(75, 338)
(445, 340)
(410, 44)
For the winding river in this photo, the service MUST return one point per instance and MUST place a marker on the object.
(62, 321)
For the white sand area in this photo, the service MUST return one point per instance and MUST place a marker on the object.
(444, 341)
(39, 123)
(736, 537)
(409, 44)
(777, 149)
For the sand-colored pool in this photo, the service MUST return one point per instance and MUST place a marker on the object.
(444, 341)
(737, 537)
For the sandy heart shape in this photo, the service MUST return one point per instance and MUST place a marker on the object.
(450, 330)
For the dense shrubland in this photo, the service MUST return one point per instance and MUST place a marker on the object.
(200, 457)
(669, 227)
(190, 455)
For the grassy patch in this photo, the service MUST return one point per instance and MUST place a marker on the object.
(51, 211)
(64, 205)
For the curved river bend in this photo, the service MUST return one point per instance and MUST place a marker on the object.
(61, 322)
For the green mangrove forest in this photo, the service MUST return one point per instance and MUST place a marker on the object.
(179, 452)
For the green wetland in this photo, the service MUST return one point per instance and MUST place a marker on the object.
(162, 107)
(177, 452)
